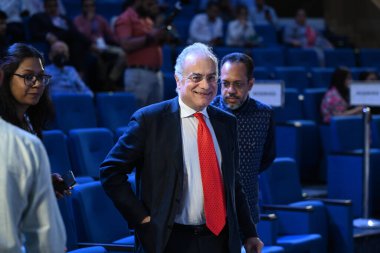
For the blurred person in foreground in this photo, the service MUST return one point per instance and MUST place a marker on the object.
(254, 122)
(24, 95)
(29, 215)
(185, 152)
(336, 102)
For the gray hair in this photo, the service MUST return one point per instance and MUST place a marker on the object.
(196, 48)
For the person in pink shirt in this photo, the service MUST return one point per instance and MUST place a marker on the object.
(336, 100)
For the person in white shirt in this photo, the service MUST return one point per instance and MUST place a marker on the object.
(240, 31)
(263, 14)
(207, 27)
(29, 214)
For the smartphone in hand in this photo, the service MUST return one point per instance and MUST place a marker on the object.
(68, 181)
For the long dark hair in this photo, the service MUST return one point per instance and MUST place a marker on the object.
(38, 114)
(338, 80)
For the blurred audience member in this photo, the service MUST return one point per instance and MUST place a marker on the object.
(336, 100)
(110, 56)
(368, 76)
(4, 37)
(24, 96)
(50, 26)
(207, 27)
(36, 6)
(240, 32)
(300, 34)
(65, 79)
(263, 14)
(142, 43)
(29, 213)
(14, 10)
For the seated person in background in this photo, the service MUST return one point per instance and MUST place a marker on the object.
(50, 26)
(263, 14)
(368, 76)
(336, 100)
(110, 57)
(240, 32)
(65, 79)
(207, 27)
(300, 34)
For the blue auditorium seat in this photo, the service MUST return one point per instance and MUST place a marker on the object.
(268, 57)
(74, 111)
(312, 103)
(88, 149)
(220, 52)
(292, 109)
(346, 133)
(305, 57)
(340, 57)
(331, 218)
(55, 142)
(369, 57)
(355, 71)
(321, 77)
(167, 53)
(96, 217)
(115, 109)
(170, 85)
(182, 28)
(376, 131)
(268, 34)
(72, 244)
(261, 73)
(294, 77)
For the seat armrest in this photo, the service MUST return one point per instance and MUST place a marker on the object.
(108, 246)
(288, 208)
(342, 202)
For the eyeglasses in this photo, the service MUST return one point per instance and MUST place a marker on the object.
(196, 78)
(237, 85)
(30, 79)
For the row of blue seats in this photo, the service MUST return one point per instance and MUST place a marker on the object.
(279, 57)
(88, 148)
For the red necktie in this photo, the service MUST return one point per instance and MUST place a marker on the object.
(214, 200)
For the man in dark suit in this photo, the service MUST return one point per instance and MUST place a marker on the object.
(171, 210)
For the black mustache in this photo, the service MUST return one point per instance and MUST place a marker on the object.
(232, 96)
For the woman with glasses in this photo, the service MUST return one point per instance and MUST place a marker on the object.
(24, 95)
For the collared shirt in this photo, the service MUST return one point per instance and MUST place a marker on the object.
(66, 80)
(203, 30)
(29, 212)
(129, 24)
(191, 211)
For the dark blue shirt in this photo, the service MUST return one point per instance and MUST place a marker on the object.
(256, 145)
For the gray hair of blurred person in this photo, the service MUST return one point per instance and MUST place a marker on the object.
(196, 48)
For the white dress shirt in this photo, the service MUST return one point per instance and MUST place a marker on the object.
(191, 211)
(203, 30)
(29, 213)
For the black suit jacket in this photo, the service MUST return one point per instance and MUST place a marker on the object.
(153, 144)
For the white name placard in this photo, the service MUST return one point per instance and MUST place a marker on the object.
(268, 92)
(365, 93)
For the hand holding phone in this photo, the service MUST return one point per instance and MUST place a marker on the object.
(63, 184)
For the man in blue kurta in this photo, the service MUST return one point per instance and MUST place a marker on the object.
(255, 123)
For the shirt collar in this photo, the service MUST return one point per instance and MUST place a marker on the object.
(187, 111)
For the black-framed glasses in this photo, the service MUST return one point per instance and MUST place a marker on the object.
(30, 79)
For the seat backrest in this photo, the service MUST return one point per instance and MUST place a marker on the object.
(115, 109)
(346, 133)
(321, 77)
(280, 183)
(292, 109)
(96, 217)
(294, 77)
(312, 103)
(88, 149)
(340, 57)
(268, 34)
(306, 57)
(74, 111)
(268, 57)
(55, 143)
(376, 131)
(369, 57)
